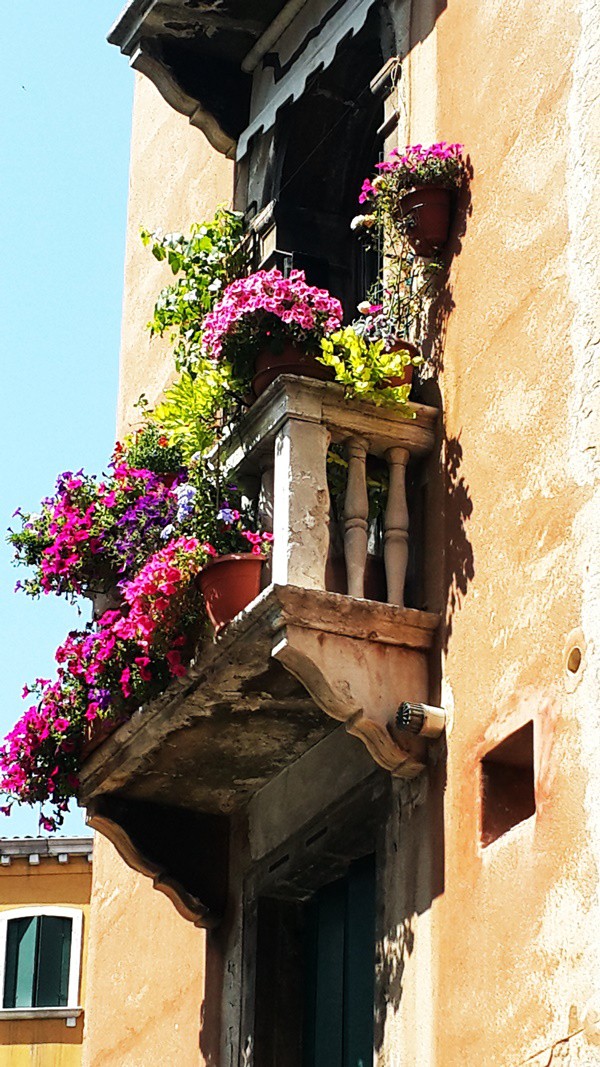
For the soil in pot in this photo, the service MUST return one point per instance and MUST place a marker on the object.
(229, 584)
(290, 359)
(425, 213)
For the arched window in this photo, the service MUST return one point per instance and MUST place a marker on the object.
(40, 958)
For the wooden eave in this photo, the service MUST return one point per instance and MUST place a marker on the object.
(193, 51)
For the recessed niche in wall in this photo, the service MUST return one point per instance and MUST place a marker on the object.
(507, 784)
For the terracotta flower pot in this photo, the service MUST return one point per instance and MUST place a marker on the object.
(229, 584)
(290, 360)
(397, 380)
(428, 210)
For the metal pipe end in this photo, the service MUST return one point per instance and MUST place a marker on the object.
(421, 719)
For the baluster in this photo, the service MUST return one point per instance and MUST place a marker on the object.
(356, 514)
(395, 538)
(301, 505)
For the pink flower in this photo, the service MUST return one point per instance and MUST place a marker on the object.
(124, 682)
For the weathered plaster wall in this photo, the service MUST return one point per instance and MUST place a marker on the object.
(175, 179)
(146, 963)
(145, 972)
(46, 1042)
(497, 949)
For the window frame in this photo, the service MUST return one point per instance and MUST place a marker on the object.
(72, 1007)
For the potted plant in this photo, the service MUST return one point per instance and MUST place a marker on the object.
(370, 370)
(236, 551)
(266, 325)
(204, 262)
(416, 189)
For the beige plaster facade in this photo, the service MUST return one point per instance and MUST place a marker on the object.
(146, 968)
(175, 179)
(488, 955)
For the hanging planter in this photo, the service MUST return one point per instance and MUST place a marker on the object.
(414, 191)
(425, 215)
(291, 359)
(229, 583)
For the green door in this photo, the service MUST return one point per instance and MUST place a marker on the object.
(340, 971)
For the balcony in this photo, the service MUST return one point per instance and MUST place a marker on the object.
(300, 660)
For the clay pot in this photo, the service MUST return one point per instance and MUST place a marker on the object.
(375, 584)
(428, 210)
(290, 360)
(229, 583)
(396, 380)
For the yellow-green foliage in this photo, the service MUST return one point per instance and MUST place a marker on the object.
(364, 368)
(191, 406)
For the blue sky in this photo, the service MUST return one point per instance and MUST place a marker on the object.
(65, 122)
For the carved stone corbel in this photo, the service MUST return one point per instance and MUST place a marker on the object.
(141, 836)
(360, 683)
(169, 88)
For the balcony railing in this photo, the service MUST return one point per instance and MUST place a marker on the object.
(283, 443)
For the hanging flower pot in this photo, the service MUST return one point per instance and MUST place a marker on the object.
(425, 215)
(290, 359)
(229, 583)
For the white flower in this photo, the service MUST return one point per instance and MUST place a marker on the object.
(357, 222)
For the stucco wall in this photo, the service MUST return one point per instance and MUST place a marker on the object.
(46, 1042)
(145, 973)
(497, 949)
(146, 963)
(175, 179)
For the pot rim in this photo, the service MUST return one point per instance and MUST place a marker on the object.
(259, 557)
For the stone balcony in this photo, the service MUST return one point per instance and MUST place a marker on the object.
(300, 660)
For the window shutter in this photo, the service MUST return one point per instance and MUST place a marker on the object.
(21, 937)
(54, 953)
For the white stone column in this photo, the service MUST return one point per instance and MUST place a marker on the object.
(265, 512)
(301, 505)
(356, 515)
(395, 537)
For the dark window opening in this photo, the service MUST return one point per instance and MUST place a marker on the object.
(326, 143)
(507, 784)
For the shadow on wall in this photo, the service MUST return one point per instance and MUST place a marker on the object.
(417, 838)
(416, 878)
(451, 498)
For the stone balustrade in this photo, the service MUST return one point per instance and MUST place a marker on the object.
(284, 440)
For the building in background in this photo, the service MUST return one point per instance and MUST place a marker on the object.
(401, 901)
(45, 888)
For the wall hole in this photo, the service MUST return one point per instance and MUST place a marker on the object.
(507, 784)
(574, 660)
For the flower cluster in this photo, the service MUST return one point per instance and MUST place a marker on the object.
(90, 533)
(104, 673)
(266, 307)
(438, 164)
